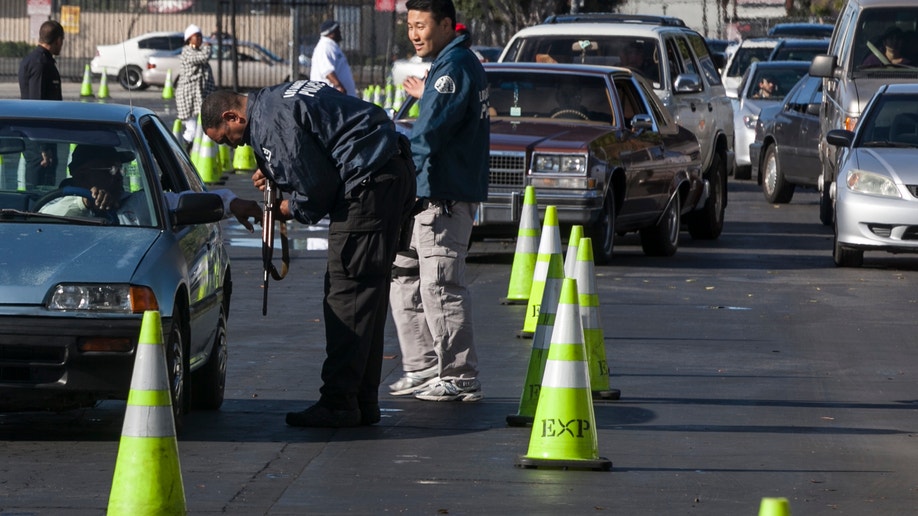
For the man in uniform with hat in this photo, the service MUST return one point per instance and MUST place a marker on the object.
(329, 65)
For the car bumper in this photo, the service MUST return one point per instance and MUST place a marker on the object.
(876, 223)
(500, 214)
(45, 362)
(154, 77)
(743, 138)
(755, 153)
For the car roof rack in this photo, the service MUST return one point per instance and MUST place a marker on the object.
(670, 21)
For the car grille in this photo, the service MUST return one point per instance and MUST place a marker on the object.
(507, 169)
(32, 363)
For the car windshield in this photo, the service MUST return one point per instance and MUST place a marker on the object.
(886, 38)
(532, 95)
(54, 171)
(773, 83)
(639, 54)
(891, 121)
(745, 56)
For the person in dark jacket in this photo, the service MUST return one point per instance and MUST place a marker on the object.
(431, 304)
(38, 75)
(39, 79)
(336, 156)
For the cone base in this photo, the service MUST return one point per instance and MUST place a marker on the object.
(610, 394)
(518, 420)
(514, 301)
(599, 464)
(523, 334)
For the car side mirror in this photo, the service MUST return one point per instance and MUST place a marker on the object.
(822, 66)
(840, 137)
(687, 83)
(197, 208)
(641, 122)
(813, 109)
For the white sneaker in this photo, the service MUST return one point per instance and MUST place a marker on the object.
(415, 380)
(452, 390)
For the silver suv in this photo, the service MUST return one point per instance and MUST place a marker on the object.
(678, 64)
(857, 64)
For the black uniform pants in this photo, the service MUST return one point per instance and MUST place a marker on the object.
(362, 240)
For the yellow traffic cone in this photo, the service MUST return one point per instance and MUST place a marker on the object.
(564, 430)
(207, 161)
(570, 259)
(540, 343)
(103, 86)
(86, 87)
(148, 477)
(225, 159)
(774, 507)
(168, 88)
(196, 143)
(415, 110)
(244, 159)
(593, 338)
(550, 243)
(177, 131)
(527, 248)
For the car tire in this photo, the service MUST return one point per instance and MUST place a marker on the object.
(743, 172)
(177, 363)
(208, 383)
(776, 189)
(131, 78)
(708, 223)
(845, 256)
(826, 209)
(602, 233)
(662, 239)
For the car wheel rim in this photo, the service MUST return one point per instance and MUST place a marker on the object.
(771, 175)
(177, 367)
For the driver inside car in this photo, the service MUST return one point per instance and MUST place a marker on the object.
(96, 189)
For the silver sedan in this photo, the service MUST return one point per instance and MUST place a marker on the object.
(876, 191)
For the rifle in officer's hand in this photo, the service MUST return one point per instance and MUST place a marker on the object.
(267, 242)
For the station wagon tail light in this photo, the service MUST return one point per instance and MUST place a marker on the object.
(559, 164)
(864, 182)
(103, 298)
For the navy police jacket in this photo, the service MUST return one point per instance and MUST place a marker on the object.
(317, 143)
(450, 140)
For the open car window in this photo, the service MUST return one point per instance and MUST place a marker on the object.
(36, 172)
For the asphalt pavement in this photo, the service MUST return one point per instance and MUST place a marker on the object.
(749, 368)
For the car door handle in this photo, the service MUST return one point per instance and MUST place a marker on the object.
(692, 105)
(710, 107)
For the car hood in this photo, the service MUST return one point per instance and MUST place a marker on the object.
(508, 135)
(899, 164)
(35, 257)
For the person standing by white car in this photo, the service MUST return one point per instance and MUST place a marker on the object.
(329, 64)
(196, 81)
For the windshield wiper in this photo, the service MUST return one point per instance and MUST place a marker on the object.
(887, 143)
(9, 214)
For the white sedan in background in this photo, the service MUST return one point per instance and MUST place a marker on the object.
(258, 66)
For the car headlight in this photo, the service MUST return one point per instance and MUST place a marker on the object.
(862, 181)
(750, 120)
(559, 164)
(103, 298)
